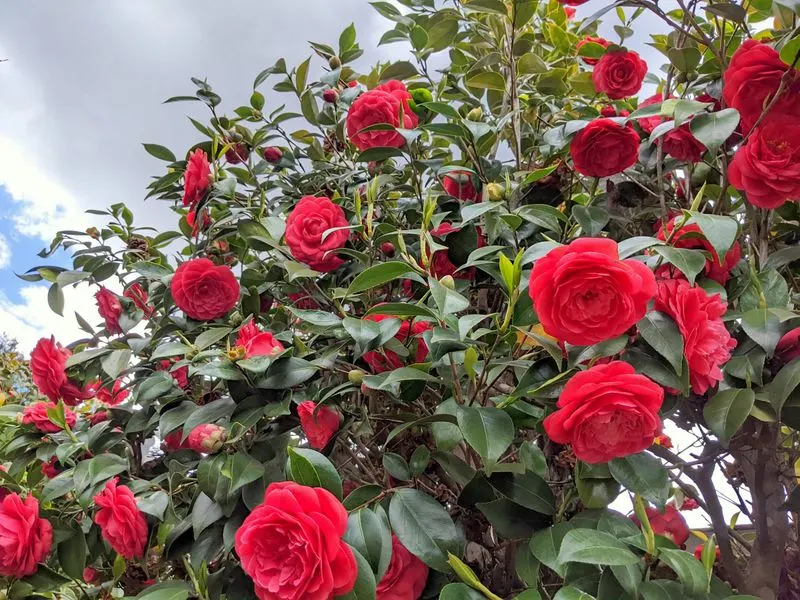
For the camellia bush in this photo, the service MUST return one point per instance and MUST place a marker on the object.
(417, 326)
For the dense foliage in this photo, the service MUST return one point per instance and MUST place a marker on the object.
(412, 340)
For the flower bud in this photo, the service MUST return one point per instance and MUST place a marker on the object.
(476, 114)
(496, 192)
(330, 95)
(335, 62)
(273, 154)
(207, 439)
(356, 376)
(388, 249)
(448, 282)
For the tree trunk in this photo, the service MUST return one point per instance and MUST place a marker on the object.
(758, 458)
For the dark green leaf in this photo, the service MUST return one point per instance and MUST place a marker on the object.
(594, 547)
(309, 467)
(160, 152)
(642, 474)
(664, 337)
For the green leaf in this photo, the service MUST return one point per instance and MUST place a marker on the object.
(488, 80)
(320, 318)
(286, 373)
(594, 547)
(712, 129)
(205, 512)
(489, 431)
(784, 256)
(399, 70)
(664, 337)
(172, 590)
(727, 411)
(364, 588)
(784, 383)
(526, 489)
(460, 591)
(397, 466)
(533, 458)
(592, 219)
(55, 299)
(116, 362)
(424, 527)
(385, 381)
(546, 544)
(441, 35)
(688, 262)
(369, 533)
(689, 570)
(400, 309)
(487, 6)
(309, 467)
(791, 50)
(642, 474)
(684, 59)
(160, 152)
(362, 495)
(378, 153)
(720, 231)
(72, 555)
(636, 244)
(170, 349)
(468, 576)
(211, 336)
(347, 38)
(763, 327)
(449, 302)
(377, 275)
(531, 63)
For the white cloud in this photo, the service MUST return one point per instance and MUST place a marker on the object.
(32, 318)
(5, 252)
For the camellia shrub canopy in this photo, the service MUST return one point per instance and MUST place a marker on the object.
(417, 326)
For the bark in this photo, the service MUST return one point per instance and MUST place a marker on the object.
(757, 455)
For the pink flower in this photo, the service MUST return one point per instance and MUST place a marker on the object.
(207, 438)
(110, 308)
(122, 524)
(257, 342)
(36, 415)
(25, 538)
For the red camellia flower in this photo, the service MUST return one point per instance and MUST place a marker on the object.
(669, 524)
(99, 417)
(50, 468)
(203, 290)
(25, 538)
(110, 308)
(122, 524)
(382, 105)
(291, 545)
(386, 360)
(604, 148)
(591, 40)
(619, 74)
(318, 428)
(115, 396)
(257, 342)
(691, 236)
(788, 347)
(584, 294)
(689, 504)
(196, 178)
(461, 185)
(606, 412)
(207, 438)
(36, 415)
(136, 293)
(752, 79)
(680, 144)
(707, 345)
(649, 123)
(180, 375)
(174, 441)
(91, 575)
(306, 224)
(198, 225)
(406, 576)
(609, 111)
(698, 553)
(767, 167)
(48, 371)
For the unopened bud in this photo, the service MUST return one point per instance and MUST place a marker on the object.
(388, 249)
(355, 376)
(476, 114)
(93, 233)
(335, 62)
(448, 282)
(273, 154)
(330, 96)
(207, 439)
(496, 192)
